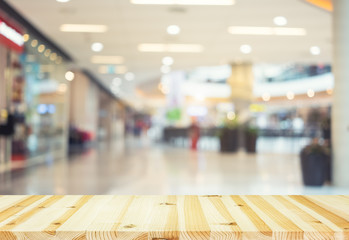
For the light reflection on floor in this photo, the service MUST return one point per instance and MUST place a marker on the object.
(140, 167)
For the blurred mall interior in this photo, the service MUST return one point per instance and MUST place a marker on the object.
(174, 97)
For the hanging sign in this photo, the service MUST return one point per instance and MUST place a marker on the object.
(10, 36)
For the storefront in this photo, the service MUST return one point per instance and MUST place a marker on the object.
(34, 94)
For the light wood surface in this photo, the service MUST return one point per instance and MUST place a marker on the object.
(174, 217)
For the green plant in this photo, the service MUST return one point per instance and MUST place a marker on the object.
(251, 130)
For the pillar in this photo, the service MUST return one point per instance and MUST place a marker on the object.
(241, 84)
(340, 111)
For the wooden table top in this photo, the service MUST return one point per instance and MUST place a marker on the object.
(174, 217)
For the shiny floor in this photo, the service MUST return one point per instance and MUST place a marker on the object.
(142, 167)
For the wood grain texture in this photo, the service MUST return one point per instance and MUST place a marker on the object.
(174, 217)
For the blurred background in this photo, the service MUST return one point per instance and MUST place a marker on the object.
(174, 97)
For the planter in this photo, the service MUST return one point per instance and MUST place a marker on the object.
(250, 142)
(314, 168)
(229, 140)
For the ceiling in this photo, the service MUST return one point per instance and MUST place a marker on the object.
(130, 25)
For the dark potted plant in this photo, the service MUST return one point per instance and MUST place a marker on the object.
(228, 136)
(315, 164)
(251, 134)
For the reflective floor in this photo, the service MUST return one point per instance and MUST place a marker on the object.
(142, 167)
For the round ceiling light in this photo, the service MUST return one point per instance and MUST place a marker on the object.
(246, 49)
(168, 61)
(62, 1)
(173, 30)
(280, 21)
(129, 76)
(69, 76)
(315, 50)
(97, 47)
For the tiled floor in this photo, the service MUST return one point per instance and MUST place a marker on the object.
(140, 167)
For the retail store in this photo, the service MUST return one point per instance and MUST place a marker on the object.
(34, 94)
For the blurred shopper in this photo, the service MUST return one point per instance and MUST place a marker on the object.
(194, 134)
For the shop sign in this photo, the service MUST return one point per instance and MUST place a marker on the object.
(10, 36)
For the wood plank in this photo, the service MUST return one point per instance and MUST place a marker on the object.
(174, 217)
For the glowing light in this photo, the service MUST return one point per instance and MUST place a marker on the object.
(173, 29)
(246, 49)
(69, 76)
(91, 28)
(280, 21)
(97, 47)
(311, 93)
(129, 76)
(168, 61)
(290, 95)
(231, 115)
(315, 50)
(266, 97)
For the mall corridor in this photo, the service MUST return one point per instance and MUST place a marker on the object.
(141, 167)
(174, 97)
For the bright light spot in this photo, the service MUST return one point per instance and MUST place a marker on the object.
(246, 49)
(231, 115)
(97, 47)
(165, 69)
(116, 82)
(34, 43)
(266, 97)
(47, 52)
(199, 98)
(329, 91)
(62, 1)
(129, 76)
(26, 37)
(173, 30)
(168, 61)
(315, 50)
(290, 95)
(280, 21)
(41, 48)
(311, 93)
(69, 76)
(53, 56)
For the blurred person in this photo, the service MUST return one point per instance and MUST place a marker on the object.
(194, 134)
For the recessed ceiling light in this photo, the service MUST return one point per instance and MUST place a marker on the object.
(116, 82)
(62, 1)
(280, 21)
(168, 61)
(41, 48)
(129, 76)
(159, 47)
(69, 76)
(315, 50)
(278, 31)
(266, 97)
(246, 49)
(97, 47)
(83, 28)
(290, 95)
(107, 59)
(173, 30)
(184, 2)
(311, 93)
(165, 69)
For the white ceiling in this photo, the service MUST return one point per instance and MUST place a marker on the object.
(130, 25)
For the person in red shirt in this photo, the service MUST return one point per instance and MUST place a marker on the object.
(194, 134)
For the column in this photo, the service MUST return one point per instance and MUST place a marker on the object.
(340, 112)
(241, 84)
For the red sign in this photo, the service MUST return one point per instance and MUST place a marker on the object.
(11, 36)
